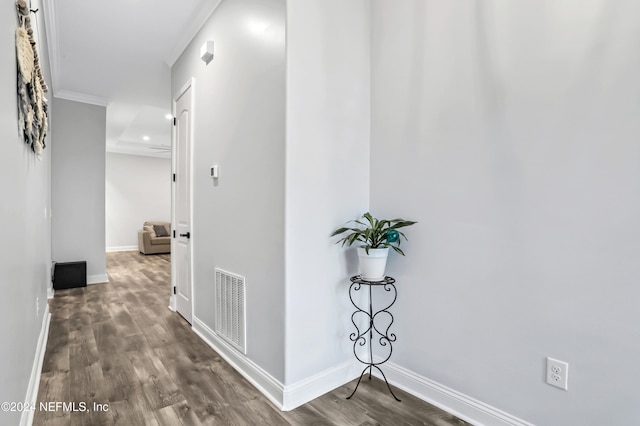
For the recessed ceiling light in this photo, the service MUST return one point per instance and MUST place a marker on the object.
(168, 116)
(145, 138)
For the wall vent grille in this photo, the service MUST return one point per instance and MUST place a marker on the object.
(230, 309)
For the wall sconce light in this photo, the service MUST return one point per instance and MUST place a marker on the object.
(206, 52)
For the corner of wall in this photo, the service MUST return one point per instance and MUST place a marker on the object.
(257, 376)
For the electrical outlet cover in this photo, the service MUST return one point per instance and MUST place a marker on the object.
(557, 373)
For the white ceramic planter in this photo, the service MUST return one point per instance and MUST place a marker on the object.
(373, 265)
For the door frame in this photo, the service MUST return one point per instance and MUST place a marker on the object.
(190, 84)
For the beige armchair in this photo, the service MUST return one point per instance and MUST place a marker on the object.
(150, 243)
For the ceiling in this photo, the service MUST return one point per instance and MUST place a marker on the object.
(119, 54)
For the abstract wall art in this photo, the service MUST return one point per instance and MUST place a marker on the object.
(32, 104)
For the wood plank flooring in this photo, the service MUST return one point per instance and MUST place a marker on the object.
(118, 345)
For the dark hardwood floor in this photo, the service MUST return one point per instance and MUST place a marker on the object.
(118, 345)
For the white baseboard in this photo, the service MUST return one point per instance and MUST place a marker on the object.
(284, 397)
(317, 385)
(50, 292)
(289, 397)
(97, 279)
(34, 381)
(121, 248)
(263, 381)
(454, 402)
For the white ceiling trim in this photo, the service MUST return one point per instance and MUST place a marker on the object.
(138, 152)
(196, 21)
(51, 29)
(81, 97)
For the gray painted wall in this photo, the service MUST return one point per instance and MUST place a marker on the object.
(138, 189)
(328, 119)
(239, 115)
(78, 185)
(25, 252)
(510, 131)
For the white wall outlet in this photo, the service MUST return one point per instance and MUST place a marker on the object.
(557, 373)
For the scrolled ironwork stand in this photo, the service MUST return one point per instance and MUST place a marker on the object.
(361, 338)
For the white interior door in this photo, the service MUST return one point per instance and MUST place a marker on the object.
(182, 206)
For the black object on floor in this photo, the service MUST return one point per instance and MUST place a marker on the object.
(69, 275)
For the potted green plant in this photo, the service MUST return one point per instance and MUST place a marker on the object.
(376, 236)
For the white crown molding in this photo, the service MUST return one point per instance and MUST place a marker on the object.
(81, 97)
(51, 29)
(194, 24)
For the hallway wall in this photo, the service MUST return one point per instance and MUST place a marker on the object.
(78, 186)
(510, 131)
(327, 179)
(138, 189)
(239, 124)
(25, 253)
(507, 130)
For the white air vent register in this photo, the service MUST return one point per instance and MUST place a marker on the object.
(230, 309)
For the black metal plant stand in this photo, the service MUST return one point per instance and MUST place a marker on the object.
(362, 338)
